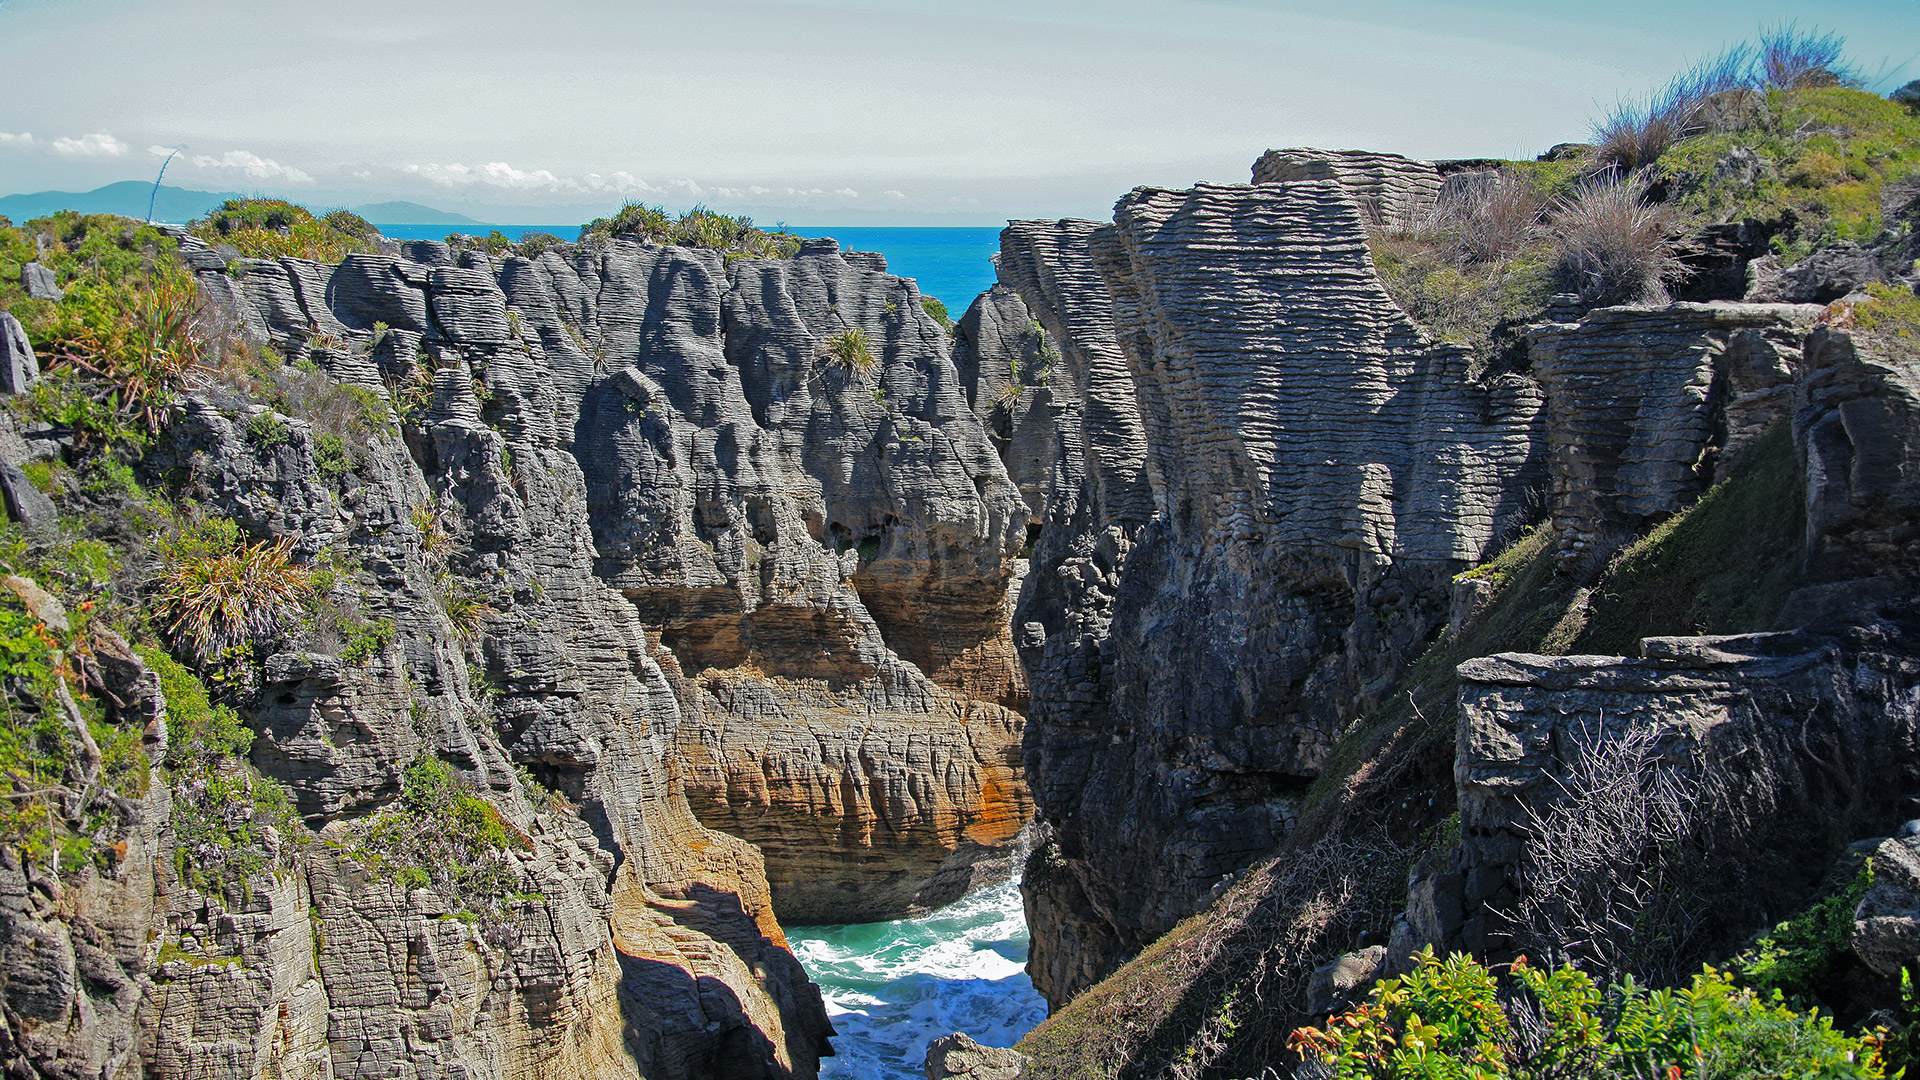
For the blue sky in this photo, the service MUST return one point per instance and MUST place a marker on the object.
(845, 112)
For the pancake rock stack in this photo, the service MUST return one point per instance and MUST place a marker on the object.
(1314, 472)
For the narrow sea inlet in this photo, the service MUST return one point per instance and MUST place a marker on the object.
(893, 987)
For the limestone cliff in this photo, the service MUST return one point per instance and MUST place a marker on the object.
(697, 570)
(1316, 471)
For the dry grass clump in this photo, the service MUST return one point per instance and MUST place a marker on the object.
(1477, 262)
(1611, 875)
(1614, 245)
(1635, 132)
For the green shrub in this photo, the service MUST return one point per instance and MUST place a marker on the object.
(366, 639)
(331, 458)
(1804, 956)
(221, 808)
(698, 227)
(1446, 1019)
(216, 591)
(1890, 319)
(937, 311)
(850, 351)
(268, 433)
(275, 229)
(446, 836)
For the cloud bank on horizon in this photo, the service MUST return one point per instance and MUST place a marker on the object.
(907, 110)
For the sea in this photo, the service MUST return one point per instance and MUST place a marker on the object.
(893, 987)
(952, 265)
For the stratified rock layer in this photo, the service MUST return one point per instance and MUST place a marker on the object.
(1642, 401)
(1389, 189)
(1318, 471)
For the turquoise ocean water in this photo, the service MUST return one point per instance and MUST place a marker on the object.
(893, 987)
(953, 265)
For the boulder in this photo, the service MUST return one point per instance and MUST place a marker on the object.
(40, 283)
(18, 366)
(1886, 925)
(1820, 278)
(958, 1057)
(26, 504)
(1340, 984)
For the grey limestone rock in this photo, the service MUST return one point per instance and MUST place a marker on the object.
(1820, 278)
(1341, 983)
(1643, 401)
(959, 1057)
(1388, 188)
(40, 282)
(18, 366)
(1857, 415)
(1886, 925)
(25, 503)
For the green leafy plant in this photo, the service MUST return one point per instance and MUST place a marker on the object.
(268, 433)
(366, 639)
(1446, 1018)
(217, 591)
(1889, 319)
(444, 835)
(698, 227)
(276, 229)
(1810, 952)
(936, 311)
(850, 351)
(229, 823)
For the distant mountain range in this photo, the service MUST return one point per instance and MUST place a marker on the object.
(407, 213)
(129, 199)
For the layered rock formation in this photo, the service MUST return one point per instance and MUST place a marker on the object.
(636, 538)
(1804, 743)
(1389, 189)
(1317, 471)
(1643, 401)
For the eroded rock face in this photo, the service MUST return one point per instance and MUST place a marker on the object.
(1643, 401)
(1815, 738)
(1317, 472)
(699, 568)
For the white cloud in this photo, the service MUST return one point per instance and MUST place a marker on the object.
(729, 193)
(892, 194)
(847, 191)
(500, 174)
(251, 165)
(97, 145)
(758, 190)
(22, 141)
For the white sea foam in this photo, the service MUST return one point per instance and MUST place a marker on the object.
(891, 988)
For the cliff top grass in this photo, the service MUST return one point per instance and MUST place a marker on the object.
(276, 228)
(1807, 163)
(698, 227)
